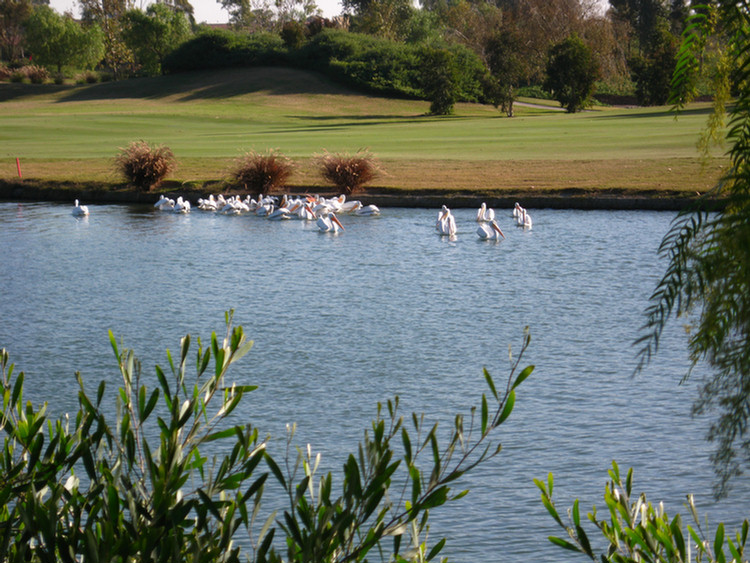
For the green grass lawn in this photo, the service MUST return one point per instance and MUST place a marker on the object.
(208, 118)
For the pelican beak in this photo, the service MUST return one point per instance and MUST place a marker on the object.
(336, 220)
(494, 226)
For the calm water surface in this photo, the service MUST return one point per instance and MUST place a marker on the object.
(341, 322)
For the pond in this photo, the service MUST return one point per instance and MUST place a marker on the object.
(386, 307)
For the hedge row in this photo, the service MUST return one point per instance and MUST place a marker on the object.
(361, 61)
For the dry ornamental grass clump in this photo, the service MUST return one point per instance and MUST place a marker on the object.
(145, 166)
(348, 173)
(262, 172)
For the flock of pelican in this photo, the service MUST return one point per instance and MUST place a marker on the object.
(309, 208)
(488, 228)
(323, 211)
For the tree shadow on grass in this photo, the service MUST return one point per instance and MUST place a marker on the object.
(207, 85)
(642, 113)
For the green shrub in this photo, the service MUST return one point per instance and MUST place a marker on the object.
(18, 75)
(142, 487)
(87, 77)
(145, 166)
(262, 173)
(348, 173)
(222, 49)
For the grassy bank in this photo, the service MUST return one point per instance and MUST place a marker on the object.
(72, 133)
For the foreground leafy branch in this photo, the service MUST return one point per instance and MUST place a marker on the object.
(637, 531)
(141, 487)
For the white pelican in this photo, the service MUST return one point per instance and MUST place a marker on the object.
(329, 223)
(524, 220)
(164, 204)
(485, 213)
(367, 210)
(80, 210)
(306, 213)
(279, 213)
(517, 210)
(446, 224)
(207, 204)
(181, 206)
(490, 231)
(351, 206)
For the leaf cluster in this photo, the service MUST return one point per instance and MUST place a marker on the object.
(707, 248)
(142, 487)
(635, 530)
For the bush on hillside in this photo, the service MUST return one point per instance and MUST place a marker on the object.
(145, 166)
(383, 66)
(348, 173)
(262, 173)
(218, 48)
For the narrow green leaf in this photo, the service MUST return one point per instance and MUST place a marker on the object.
(565, 544)
(523, 376)
(490, 384)
(274, 469)
(407, 445)
(17, 390)
(485, 414)
(507, 409)
(435, 550)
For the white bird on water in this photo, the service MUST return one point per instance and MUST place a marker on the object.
(524, 220)
(446, 223)
(485, 213)
(490, 231)
(80, 210)
(329, 223)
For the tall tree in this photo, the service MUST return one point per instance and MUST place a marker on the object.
(108, 14)
(153, 34)
(507, 68)
(384, 18)
(707, 278)
(571, 73)
(12, 15)
(58, 40)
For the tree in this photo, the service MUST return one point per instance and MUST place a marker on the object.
(571, 73)
(149, 491)
(153, 34)
(707, 278)
(439, 79)
(652, 73)
(59, 40)
(507, 68)
(388, 19)
(250, 15)
(12, 15)
(107, 14)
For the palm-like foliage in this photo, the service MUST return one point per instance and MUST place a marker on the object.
(708, 249)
